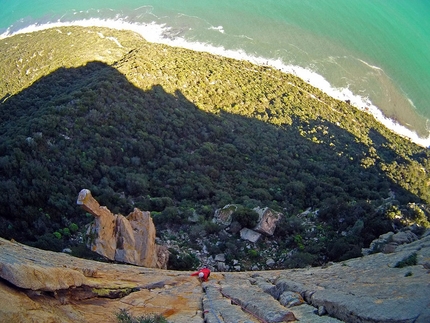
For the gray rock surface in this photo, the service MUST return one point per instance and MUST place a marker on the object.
(220, 257)
(223, 216)
(218, 308)
(368, 289)
(250, 235)
(388, 242)
(404, 237)
(252, 300)
(290, 299)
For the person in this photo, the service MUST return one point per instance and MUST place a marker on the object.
(203, 274)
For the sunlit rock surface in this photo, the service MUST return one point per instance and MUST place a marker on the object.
(128, 239)
(45, 286)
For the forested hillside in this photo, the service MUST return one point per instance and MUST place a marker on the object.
(178, 133)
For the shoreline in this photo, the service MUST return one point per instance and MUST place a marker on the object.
(156, 33)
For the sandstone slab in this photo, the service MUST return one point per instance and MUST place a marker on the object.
(40, 289)
(363, 290)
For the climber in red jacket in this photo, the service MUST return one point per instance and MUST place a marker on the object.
(203, 274)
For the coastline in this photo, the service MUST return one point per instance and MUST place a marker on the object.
(156, 33)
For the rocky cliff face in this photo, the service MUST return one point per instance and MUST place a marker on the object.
(128, 239)
(44, 286)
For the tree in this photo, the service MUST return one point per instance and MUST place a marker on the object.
(246, 217)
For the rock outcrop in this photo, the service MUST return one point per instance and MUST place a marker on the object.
(224, 216)
(44, 286)
(249, 235)
(267, 220)
(128, 239)
(389, 241)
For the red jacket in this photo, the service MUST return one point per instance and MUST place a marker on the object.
(203, 273)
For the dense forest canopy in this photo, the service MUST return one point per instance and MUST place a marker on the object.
(178, 132)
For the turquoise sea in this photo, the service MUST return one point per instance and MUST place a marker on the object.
(375, 53)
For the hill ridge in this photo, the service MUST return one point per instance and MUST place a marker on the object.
(180, 134)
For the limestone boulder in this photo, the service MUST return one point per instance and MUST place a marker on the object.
(403, 237)
(224, 216)
(129, 239)
(378, 244)
(389, 241)
(250, 235)
(267, 220)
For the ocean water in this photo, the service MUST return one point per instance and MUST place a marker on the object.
(375, 53)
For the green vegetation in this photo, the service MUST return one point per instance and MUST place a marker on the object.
(180, 134)
(411, 260)
(182, 260)
(113, 293)
(246, 217)
(124, 317)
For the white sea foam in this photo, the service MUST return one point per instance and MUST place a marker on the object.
(219, 28)
(154, 32)
(412, 103)
(369, 65)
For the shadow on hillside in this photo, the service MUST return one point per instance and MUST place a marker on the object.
(89, 127)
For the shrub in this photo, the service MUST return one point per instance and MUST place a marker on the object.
(206, 211)
(196, 231)
(290, 226)
(253, 254)
(182, 261)
(73, 227)
(170, 215)
(82, 251)
(66, 232)
(48, 241)
(301, 260)
(211, 227)
(298, 239)
(124, 317)
(411, 260)
(246, 217)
